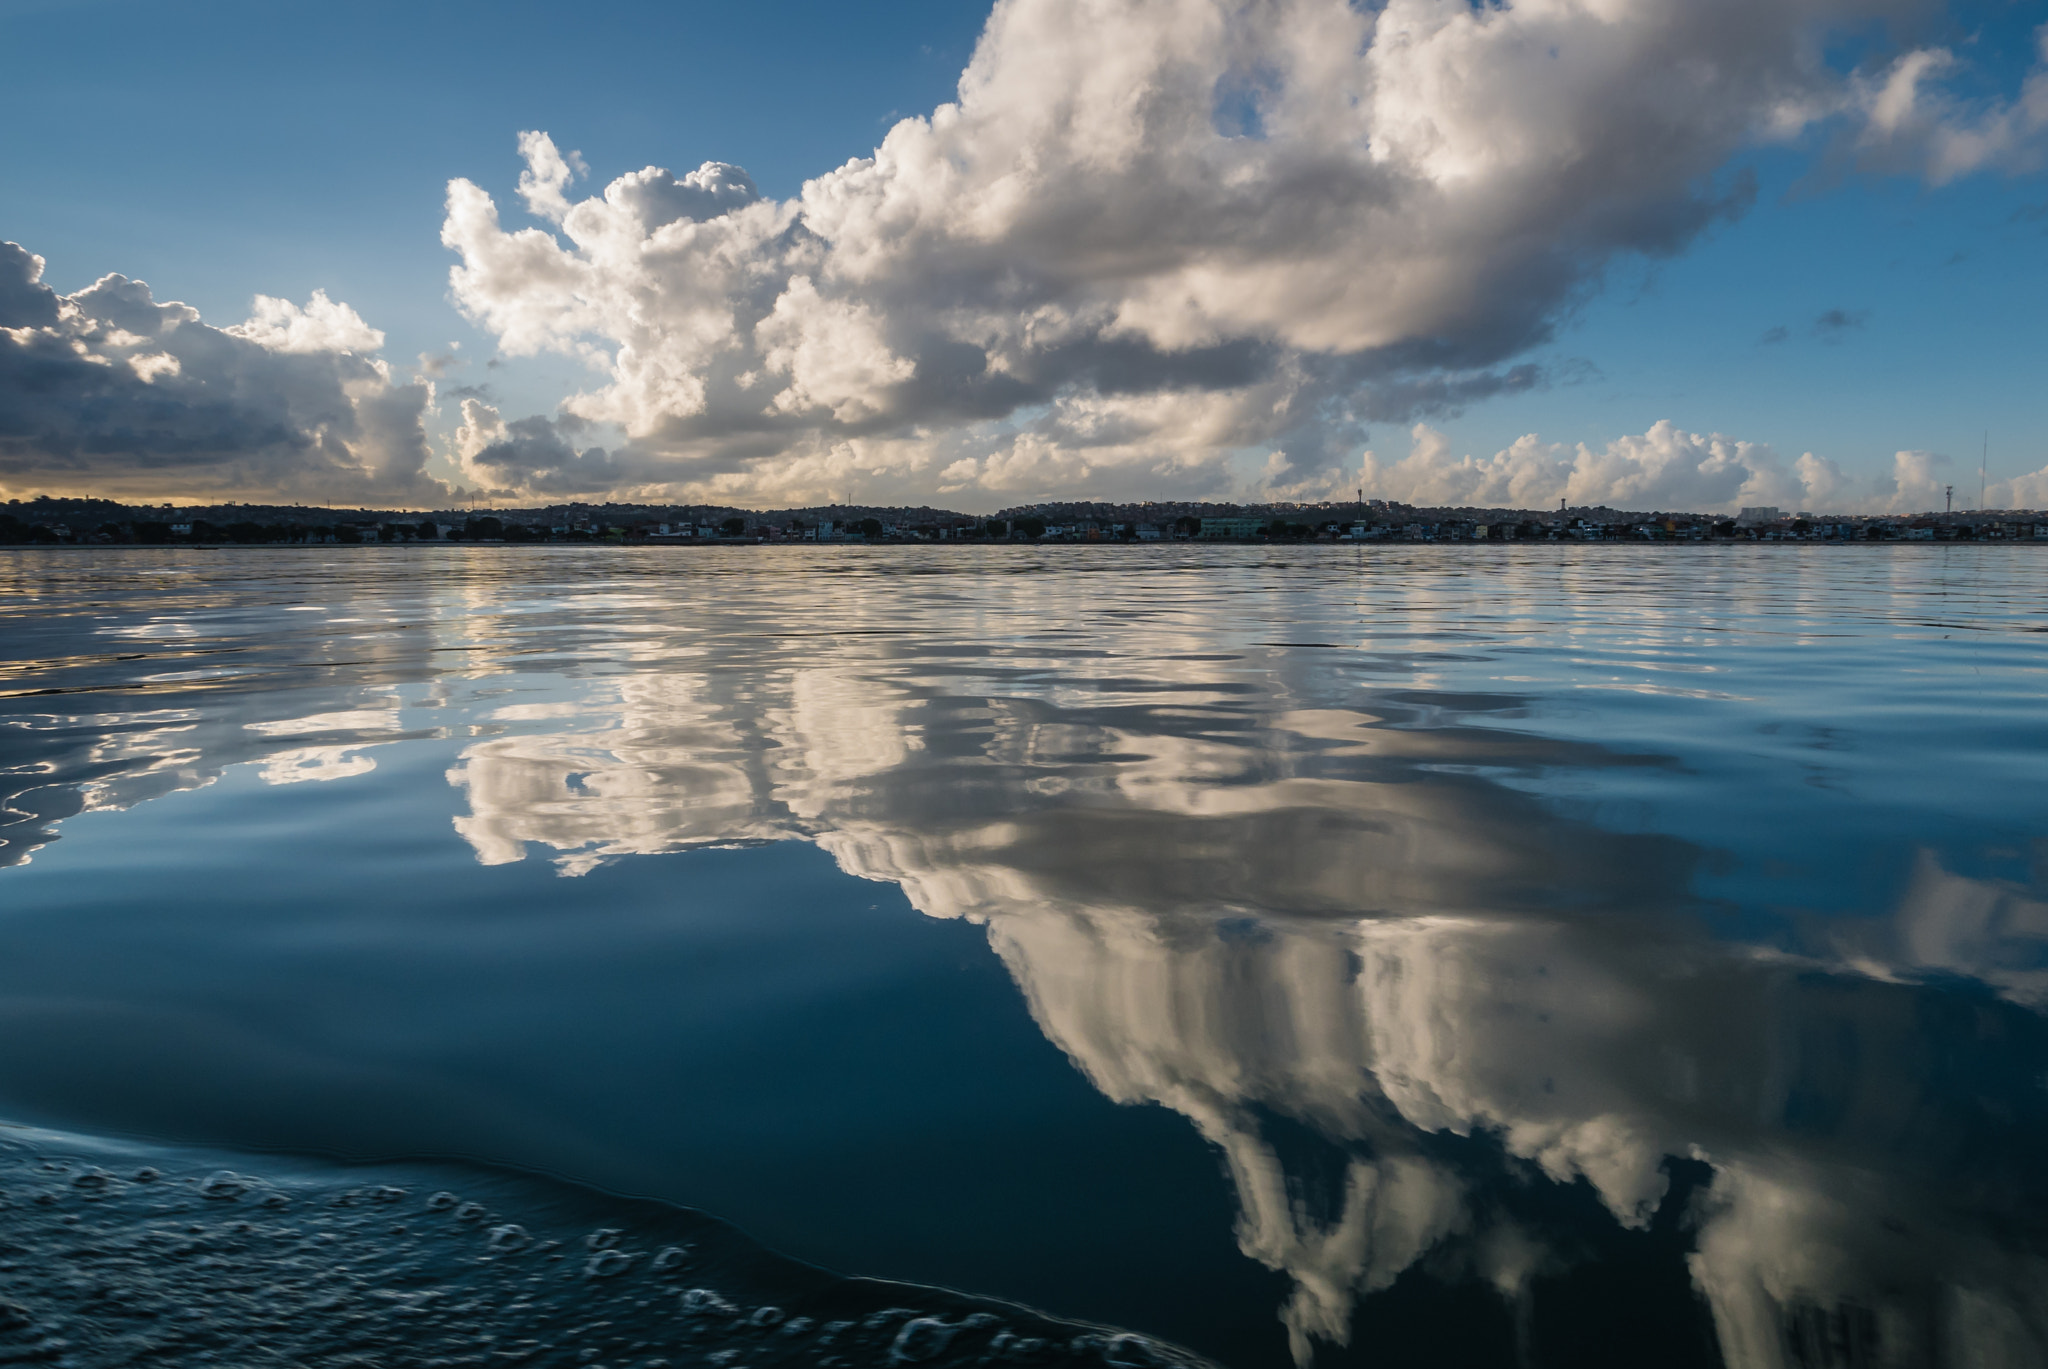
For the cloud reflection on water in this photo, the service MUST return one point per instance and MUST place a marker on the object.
(1345, 921)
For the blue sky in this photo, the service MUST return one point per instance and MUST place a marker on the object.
(221, 150)
(1948, 287)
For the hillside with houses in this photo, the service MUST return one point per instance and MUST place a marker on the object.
(100, 522)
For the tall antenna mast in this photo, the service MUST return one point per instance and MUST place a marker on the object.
(1948, 496)
(1982, 462)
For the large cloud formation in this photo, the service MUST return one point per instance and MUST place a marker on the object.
(110, 392)
(1152, 236)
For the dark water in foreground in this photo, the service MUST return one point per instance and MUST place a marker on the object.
(1410, 956)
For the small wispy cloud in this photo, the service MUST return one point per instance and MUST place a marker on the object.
(434, 365)
(1774, 336)
(1832, 325)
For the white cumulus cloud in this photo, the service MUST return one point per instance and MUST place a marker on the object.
(1670, 469)
(322, 326)
(1664, 468)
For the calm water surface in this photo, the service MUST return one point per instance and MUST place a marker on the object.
(1409, 956)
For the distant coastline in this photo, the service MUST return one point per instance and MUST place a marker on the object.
(101, 522)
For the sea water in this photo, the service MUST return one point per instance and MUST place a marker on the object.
(1555, 955)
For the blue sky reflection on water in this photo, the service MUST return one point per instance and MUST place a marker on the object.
(1573, 949)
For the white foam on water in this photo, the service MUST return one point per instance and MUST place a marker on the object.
(107, 1262)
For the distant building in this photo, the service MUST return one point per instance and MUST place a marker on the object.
(1762, 513)
(1231, 529)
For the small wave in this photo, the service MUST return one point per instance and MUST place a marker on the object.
(118, 1253)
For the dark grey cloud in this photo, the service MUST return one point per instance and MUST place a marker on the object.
(25, 302)
(1831, 325)
(537, 455)
(109, 389)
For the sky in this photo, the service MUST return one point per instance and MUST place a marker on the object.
(1651, 253)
